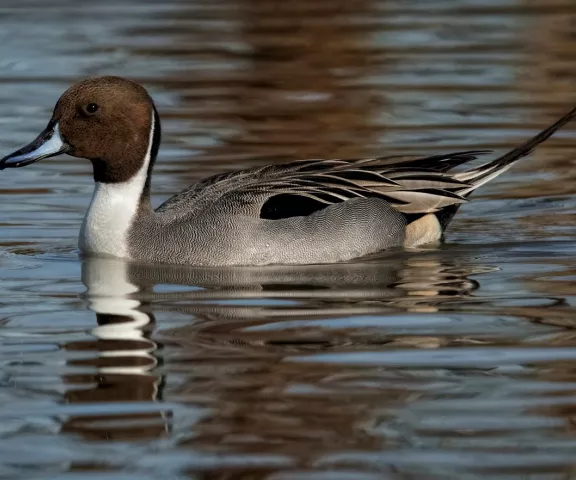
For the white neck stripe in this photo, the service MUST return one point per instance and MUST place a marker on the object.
(113, 209)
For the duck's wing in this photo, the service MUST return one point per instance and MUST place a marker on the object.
(411, 185)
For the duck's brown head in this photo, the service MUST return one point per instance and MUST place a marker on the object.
(109, 120)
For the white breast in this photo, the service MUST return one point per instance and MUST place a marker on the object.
(112, 211)
(109, 217)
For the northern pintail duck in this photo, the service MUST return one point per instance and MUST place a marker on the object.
(302, 212)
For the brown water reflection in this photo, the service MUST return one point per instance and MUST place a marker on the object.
(449, 363)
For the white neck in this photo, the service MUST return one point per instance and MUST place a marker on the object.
(113, 208)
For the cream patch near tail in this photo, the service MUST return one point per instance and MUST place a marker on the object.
(424, 230)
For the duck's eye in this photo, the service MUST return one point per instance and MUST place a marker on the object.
(91, 108)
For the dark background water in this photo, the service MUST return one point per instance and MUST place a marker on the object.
(455, 362)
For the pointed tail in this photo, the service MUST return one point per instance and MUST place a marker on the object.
(484, 173)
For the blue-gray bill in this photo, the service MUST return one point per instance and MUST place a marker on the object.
(48, 144)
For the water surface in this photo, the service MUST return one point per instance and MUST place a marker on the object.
(453, 362)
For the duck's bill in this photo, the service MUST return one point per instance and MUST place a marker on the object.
(48, 144)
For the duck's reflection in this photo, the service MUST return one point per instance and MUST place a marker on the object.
(122, 327)
(124, 359)
(230, 316)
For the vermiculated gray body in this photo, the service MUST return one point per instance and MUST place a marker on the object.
(337, 233)
(358, 207)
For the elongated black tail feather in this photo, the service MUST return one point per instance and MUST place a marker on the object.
(484, 173)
